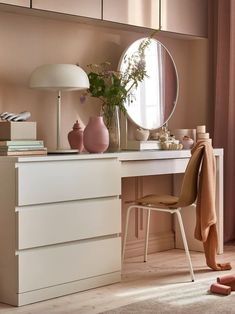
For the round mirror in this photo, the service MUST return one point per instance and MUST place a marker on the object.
(153, 101)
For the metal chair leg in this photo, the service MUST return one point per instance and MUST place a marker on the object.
(185, 243)
(147, 235)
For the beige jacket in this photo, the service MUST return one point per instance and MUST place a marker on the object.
(205, 229)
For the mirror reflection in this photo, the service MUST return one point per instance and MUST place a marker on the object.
(154, 100)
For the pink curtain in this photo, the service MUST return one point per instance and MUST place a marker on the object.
(222, 69)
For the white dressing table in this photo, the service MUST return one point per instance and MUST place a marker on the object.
(60, 219)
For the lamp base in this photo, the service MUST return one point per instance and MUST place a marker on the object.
(63, 151)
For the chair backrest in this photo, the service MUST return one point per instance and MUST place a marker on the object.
(189, 186)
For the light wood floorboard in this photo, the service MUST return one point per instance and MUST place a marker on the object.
(139, 281)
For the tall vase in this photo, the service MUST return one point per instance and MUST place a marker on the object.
(113, 126)
(96, 135)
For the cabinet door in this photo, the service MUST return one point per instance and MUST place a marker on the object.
(143, 13)
(22, 3)
(87, 8)
(185, 16)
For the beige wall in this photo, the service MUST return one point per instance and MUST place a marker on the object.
(27, 42)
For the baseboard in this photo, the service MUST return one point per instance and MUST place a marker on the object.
(157, 242)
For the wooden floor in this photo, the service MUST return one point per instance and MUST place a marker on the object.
(139, 280)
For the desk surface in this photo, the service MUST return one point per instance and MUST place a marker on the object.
(122, 156)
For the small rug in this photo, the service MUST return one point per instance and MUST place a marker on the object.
(189, 298)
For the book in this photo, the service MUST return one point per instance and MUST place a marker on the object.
(22, 142)
(24, 153)
(143, 145)
(21, 147)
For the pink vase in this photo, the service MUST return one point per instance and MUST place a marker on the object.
(75, 137)
(96, 135)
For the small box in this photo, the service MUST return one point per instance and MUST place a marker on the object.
(18, 130)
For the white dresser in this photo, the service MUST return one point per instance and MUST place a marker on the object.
(60, 219)
(60, 224)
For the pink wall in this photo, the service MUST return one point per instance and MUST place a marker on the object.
(27, 42)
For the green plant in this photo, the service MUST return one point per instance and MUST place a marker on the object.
(113, 88)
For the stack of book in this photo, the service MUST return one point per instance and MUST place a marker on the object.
(22, 147)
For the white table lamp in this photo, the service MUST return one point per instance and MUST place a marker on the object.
(59, 77)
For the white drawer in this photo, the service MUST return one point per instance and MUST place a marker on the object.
(40, 225)
(55, 265)
(55, 181)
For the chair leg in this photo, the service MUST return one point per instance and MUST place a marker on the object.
(185, 243)
(147, 235)
(125, 232)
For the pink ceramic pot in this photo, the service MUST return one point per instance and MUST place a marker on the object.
(75, 137)
(96, 135)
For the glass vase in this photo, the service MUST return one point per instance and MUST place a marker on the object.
(113, 126)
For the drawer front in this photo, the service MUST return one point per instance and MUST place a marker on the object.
(55, 265)
(68, 221)
(153, 167)
(55, 181)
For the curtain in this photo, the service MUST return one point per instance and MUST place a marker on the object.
(222, 71)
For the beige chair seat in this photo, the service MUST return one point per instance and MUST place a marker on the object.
(158, 200)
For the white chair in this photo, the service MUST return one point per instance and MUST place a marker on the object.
(171, 204)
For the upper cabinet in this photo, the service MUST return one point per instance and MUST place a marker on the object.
(185, 17)
(179, 16)
(87, 8)
(21, 3)
(143, 13)
(188, 17)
